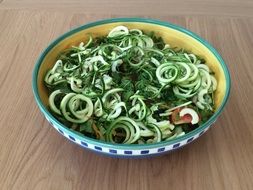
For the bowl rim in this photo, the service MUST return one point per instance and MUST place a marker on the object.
(96, 142)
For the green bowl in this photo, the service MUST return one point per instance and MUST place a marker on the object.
(172, 34)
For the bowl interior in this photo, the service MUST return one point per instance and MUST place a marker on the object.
(171, 36)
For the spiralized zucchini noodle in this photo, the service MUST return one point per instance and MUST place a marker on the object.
(130, 87)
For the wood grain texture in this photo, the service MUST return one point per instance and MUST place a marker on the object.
(139, 7)
(34, 156)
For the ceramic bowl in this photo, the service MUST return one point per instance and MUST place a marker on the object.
(172, 34)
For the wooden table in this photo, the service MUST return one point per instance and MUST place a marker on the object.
(34, 156)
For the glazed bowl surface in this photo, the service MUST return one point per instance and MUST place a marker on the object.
(172, 34)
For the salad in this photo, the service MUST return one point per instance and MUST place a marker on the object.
(130, 87)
